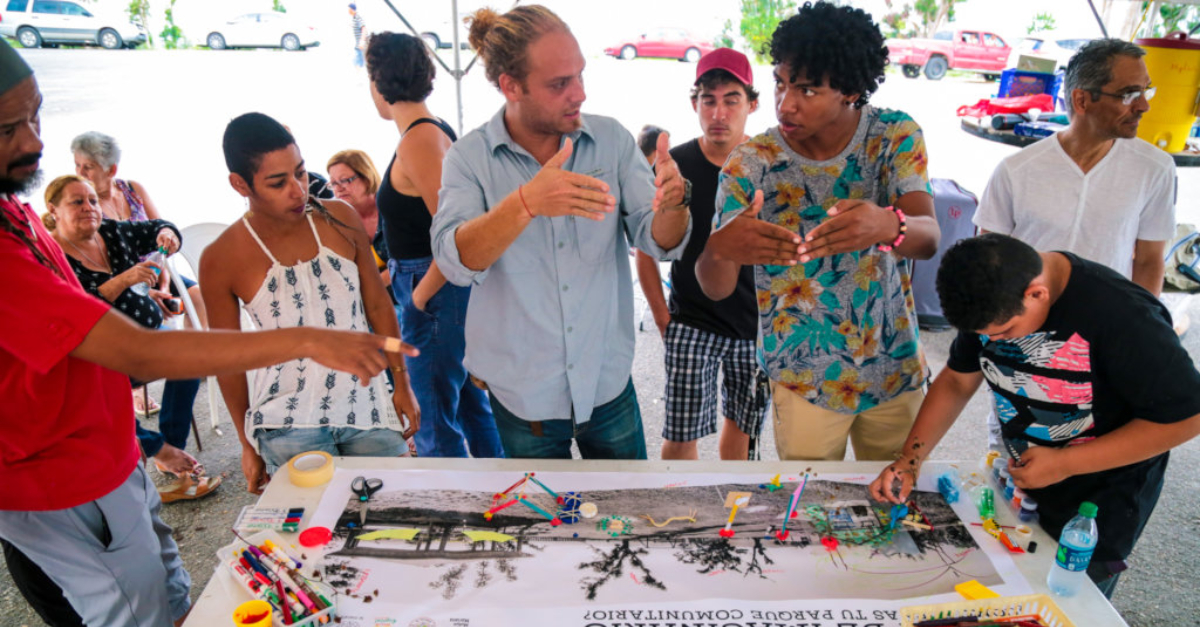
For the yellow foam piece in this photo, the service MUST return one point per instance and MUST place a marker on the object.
(973, 590)
(391, 534)
(484, 536)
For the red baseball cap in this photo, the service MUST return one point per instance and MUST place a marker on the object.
(729, 60)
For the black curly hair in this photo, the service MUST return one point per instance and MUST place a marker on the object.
(826, 40)
(982, 280)
(400, 67)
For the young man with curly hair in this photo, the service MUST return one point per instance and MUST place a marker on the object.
(829, 207)
(1090, 402)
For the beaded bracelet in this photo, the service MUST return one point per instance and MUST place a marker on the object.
(903, 230)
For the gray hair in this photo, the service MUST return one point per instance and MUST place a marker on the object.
(1090, 69)
(101, 148)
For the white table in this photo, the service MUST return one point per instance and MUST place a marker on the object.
(215, 607)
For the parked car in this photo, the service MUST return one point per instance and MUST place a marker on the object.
(35, 23)
(262, 30)
(1051, 45)
(973, 50)
(670, 43)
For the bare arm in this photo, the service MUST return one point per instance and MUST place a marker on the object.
(377, 306)
(947, 397)
(553, 192)
(482, 240)
(1148, 265)
(151, 208)
(744, 241)
(223, 313)
(120, 344)
(1136, 441)
(671, 216)
(651, 280)
(421, 155)
(112, 289)
(858, 224)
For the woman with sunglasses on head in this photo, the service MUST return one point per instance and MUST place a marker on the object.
(456, 415)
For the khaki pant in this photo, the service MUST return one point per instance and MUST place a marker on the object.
(805, 431)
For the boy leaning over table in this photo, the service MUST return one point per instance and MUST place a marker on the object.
(1088, 378)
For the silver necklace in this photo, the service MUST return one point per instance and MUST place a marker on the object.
(107, 266)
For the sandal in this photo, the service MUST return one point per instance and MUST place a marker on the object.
(139, 407)
(187, 489)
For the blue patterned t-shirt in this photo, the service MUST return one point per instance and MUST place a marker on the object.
(841, 330)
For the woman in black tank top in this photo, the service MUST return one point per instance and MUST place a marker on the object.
(456, 417)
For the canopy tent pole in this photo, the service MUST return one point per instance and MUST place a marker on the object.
(458, 72)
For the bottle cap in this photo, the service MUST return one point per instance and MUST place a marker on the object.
(1087, 509)
(1028, 503)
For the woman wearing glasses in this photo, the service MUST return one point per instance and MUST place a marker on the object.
(456, 416)
(355, 181)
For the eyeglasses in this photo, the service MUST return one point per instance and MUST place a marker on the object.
(343, 182)
(1129, 97)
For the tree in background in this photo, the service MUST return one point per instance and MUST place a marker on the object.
(172, 34)
(934, 13)
(759, 19)
(895, 24)
(139, 13)
(899, 21)
(1041, 22)
(277, 5)
(1173, 17)
(725, 39)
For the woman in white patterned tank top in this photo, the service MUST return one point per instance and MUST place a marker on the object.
(299, 261)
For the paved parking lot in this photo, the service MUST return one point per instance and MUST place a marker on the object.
(169, 109)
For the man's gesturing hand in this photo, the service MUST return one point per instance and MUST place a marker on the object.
(558, 192)
(750, 241)
(667, 178)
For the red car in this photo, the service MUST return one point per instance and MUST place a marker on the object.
(973, 50)
(670, 43)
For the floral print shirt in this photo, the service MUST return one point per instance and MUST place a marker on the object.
(841, 330)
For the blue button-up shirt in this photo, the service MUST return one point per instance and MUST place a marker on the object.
(550, 323)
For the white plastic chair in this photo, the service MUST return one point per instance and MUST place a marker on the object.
(195, 239)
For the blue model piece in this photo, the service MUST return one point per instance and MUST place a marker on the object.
(948, 485)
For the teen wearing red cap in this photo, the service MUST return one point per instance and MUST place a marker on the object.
(701, 337)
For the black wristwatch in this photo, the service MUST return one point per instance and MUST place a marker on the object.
(687, 193)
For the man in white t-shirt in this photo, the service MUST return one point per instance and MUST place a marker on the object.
(1093, 189)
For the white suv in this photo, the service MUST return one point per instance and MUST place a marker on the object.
(37, 22)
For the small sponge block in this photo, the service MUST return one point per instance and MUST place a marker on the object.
(972, 590)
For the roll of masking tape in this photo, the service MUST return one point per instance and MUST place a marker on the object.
(1024, 533)
(310, 469)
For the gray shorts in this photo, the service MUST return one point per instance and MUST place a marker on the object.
(114, 558)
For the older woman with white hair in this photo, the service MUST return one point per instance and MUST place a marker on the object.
(97, 157)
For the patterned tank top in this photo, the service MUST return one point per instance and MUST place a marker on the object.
(321, 292)
(137, 207)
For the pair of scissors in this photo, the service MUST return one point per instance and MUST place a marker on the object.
(364, 488)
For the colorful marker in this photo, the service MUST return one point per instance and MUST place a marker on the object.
(792, 503)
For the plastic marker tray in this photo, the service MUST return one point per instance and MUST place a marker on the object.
(239, 594)
(1039, 605)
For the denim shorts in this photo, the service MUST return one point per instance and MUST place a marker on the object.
(277, 446)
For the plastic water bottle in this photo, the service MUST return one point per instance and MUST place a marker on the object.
(158, 257)
(1075, 548)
